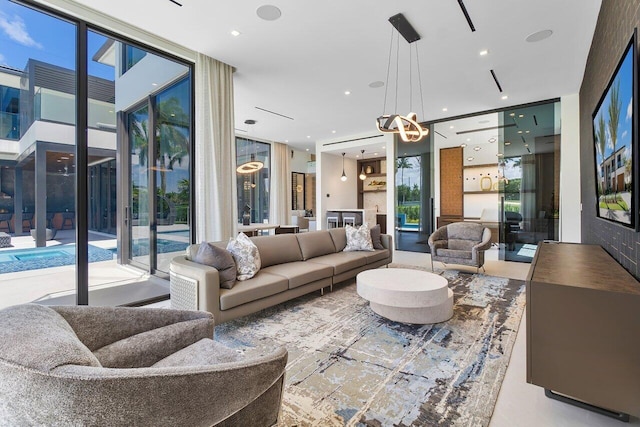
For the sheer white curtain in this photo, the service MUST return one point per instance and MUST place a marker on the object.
(215, 174)
(280, 192)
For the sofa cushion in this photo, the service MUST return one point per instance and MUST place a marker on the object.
(204, 352)
(377, 255)
(342, 261)
(220, 259)
(37, 337)
(339, 237)
(315, 243)
(301, 272)
(246, 256)
(358, 238)
(376, 240)
(465, 231)
(453, 253)
(146, 348)
(277, 249)
(262, 285)
(462, 245)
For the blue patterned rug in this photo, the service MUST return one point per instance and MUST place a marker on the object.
(349, 366)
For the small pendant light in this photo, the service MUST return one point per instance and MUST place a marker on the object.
(363, 175)
(344, 176)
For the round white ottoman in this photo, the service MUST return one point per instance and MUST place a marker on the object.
(407, 296)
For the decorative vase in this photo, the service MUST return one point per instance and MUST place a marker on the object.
(369, 170)
(486, 183)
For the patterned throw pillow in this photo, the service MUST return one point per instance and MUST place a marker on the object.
(358, 238)
(246, 256)
(220, 259)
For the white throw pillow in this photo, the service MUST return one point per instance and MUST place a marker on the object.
(246, 256)
(358, 238)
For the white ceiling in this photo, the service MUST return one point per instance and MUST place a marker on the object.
(301, 64)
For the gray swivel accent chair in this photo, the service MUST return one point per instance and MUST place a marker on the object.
(460, 243)
(130, 366)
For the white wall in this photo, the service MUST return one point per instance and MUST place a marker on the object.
(299, 160)
(570, 202)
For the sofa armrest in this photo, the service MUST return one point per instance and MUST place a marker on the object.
(387, 241)
(207, 282)
(485, 243)
(141, 395)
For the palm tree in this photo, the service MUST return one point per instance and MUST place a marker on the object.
(403, 164)
(601, 143)
(614, 117)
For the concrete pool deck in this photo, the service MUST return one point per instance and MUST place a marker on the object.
(57, 282)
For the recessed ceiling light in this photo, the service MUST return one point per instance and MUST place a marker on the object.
(463, 145)
(539, 36)
(526, 145)
(507, 143)
(492, 140)
(528, 131)
(504, 97)
(484, 52)
(346, 92)
(268, 12)
(384, 147)
(477, 148)
(451, 127)
(469, 159)
(111, 111)
(519, 131)
(512, 114)
(333, 131)
(375, 154)
(376, 84)
(307, 149)
(520, 116)
(499, 154)
(308, 136)
(468, 139)
(444, 109)
(154, 84)
(235, 33)
(286, 140)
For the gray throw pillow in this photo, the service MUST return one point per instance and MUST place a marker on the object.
(375, 237)
(220, 259)
(358, 238)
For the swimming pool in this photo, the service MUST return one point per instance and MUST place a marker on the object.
(12, 261)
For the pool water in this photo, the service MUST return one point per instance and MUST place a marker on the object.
(12, 261)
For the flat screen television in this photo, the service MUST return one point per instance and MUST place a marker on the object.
(615, 143)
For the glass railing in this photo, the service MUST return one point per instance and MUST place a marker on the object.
(60, 107)
(9, 126)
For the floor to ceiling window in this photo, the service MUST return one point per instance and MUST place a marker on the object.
(37, 178)
(253, 159)
(502, 169)
(79, 242)
(413, 195)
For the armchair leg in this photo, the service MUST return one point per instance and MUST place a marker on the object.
(431, 264)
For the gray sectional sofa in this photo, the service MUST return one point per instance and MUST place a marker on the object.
(292, 265)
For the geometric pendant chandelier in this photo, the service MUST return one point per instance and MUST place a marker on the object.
(407, 127)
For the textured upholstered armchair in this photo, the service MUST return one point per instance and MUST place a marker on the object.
(460, 243)
(129, 366)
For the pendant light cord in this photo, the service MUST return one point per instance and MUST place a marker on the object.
(386, 84)
(420, 81)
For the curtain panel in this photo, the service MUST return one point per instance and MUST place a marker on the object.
(215, 155)
(280, 194)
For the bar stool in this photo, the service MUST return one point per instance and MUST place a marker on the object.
(332, 222)
(349, 219)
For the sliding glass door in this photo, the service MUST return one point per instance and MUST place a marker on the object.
(158, 143)
(529, 171)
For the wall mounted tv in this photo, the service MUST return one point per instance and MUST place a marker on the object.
(615, 142)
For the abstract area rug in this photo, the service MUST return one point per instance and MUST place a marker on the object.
(349, 366)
